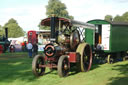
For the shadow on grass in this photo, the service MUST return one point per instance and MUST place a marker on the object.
(54, 71)
(123, 80)
(74, 70)
(94, 66)
(15, 68)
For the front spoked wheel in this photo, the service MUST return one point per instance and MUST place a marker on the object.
(36, 65)
(63, 66)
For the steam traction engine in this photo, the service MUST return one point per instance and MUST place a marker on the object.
(4, 43)
(65, 47)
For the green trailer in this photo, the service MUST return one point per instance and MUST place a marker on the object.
(109, 40)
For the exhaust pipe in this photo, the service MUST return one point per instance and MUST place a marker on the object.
(6, 33)
(53, 25)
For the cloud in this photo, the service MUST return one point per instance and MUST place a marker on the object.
(85, 10)
(27, 17)
(119, 1)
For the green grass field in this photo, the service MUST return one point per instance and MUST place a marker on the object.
(15, 69)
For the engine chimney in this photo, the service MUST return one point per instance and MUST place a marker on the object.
(6, 33)
(53, 25)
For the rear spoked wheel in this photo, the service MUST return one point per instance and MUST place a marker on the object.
(86, 57)
(63, 66)
(36, 65)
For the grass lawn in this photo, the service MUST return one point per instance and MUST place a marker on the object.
(15, 69)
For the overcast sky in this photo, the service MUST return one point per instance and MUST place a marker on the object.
(29, 13)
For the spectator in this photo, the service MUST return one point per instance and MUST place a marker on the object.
(23, 46)
(29, 47)
(35, 49)
(25, 43)
(12, 48)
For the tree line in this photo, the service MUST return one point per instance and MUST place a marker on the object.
(54, 7)
(14, 30)
(118, 18)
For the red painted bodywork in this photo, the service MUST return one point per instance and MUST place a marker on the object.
(32, 36)
(1, 49)
(73, 57)
(50, 59)
(46, 22)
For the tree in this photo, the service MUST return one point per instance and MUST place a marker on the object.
(14, 30)
(0, 27)
(125, 16)
(58, 8)
(108, 17)
(118, 18)
(1, 30)
(43, 27)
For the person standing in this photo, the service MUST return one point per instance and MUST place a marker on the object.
(25, 44)
(29, 47)
(12, 48)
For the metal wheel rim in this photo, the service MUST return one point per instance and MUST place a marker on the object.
(63, 60)
(86, 58)
(39, 70)
(109, 59)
